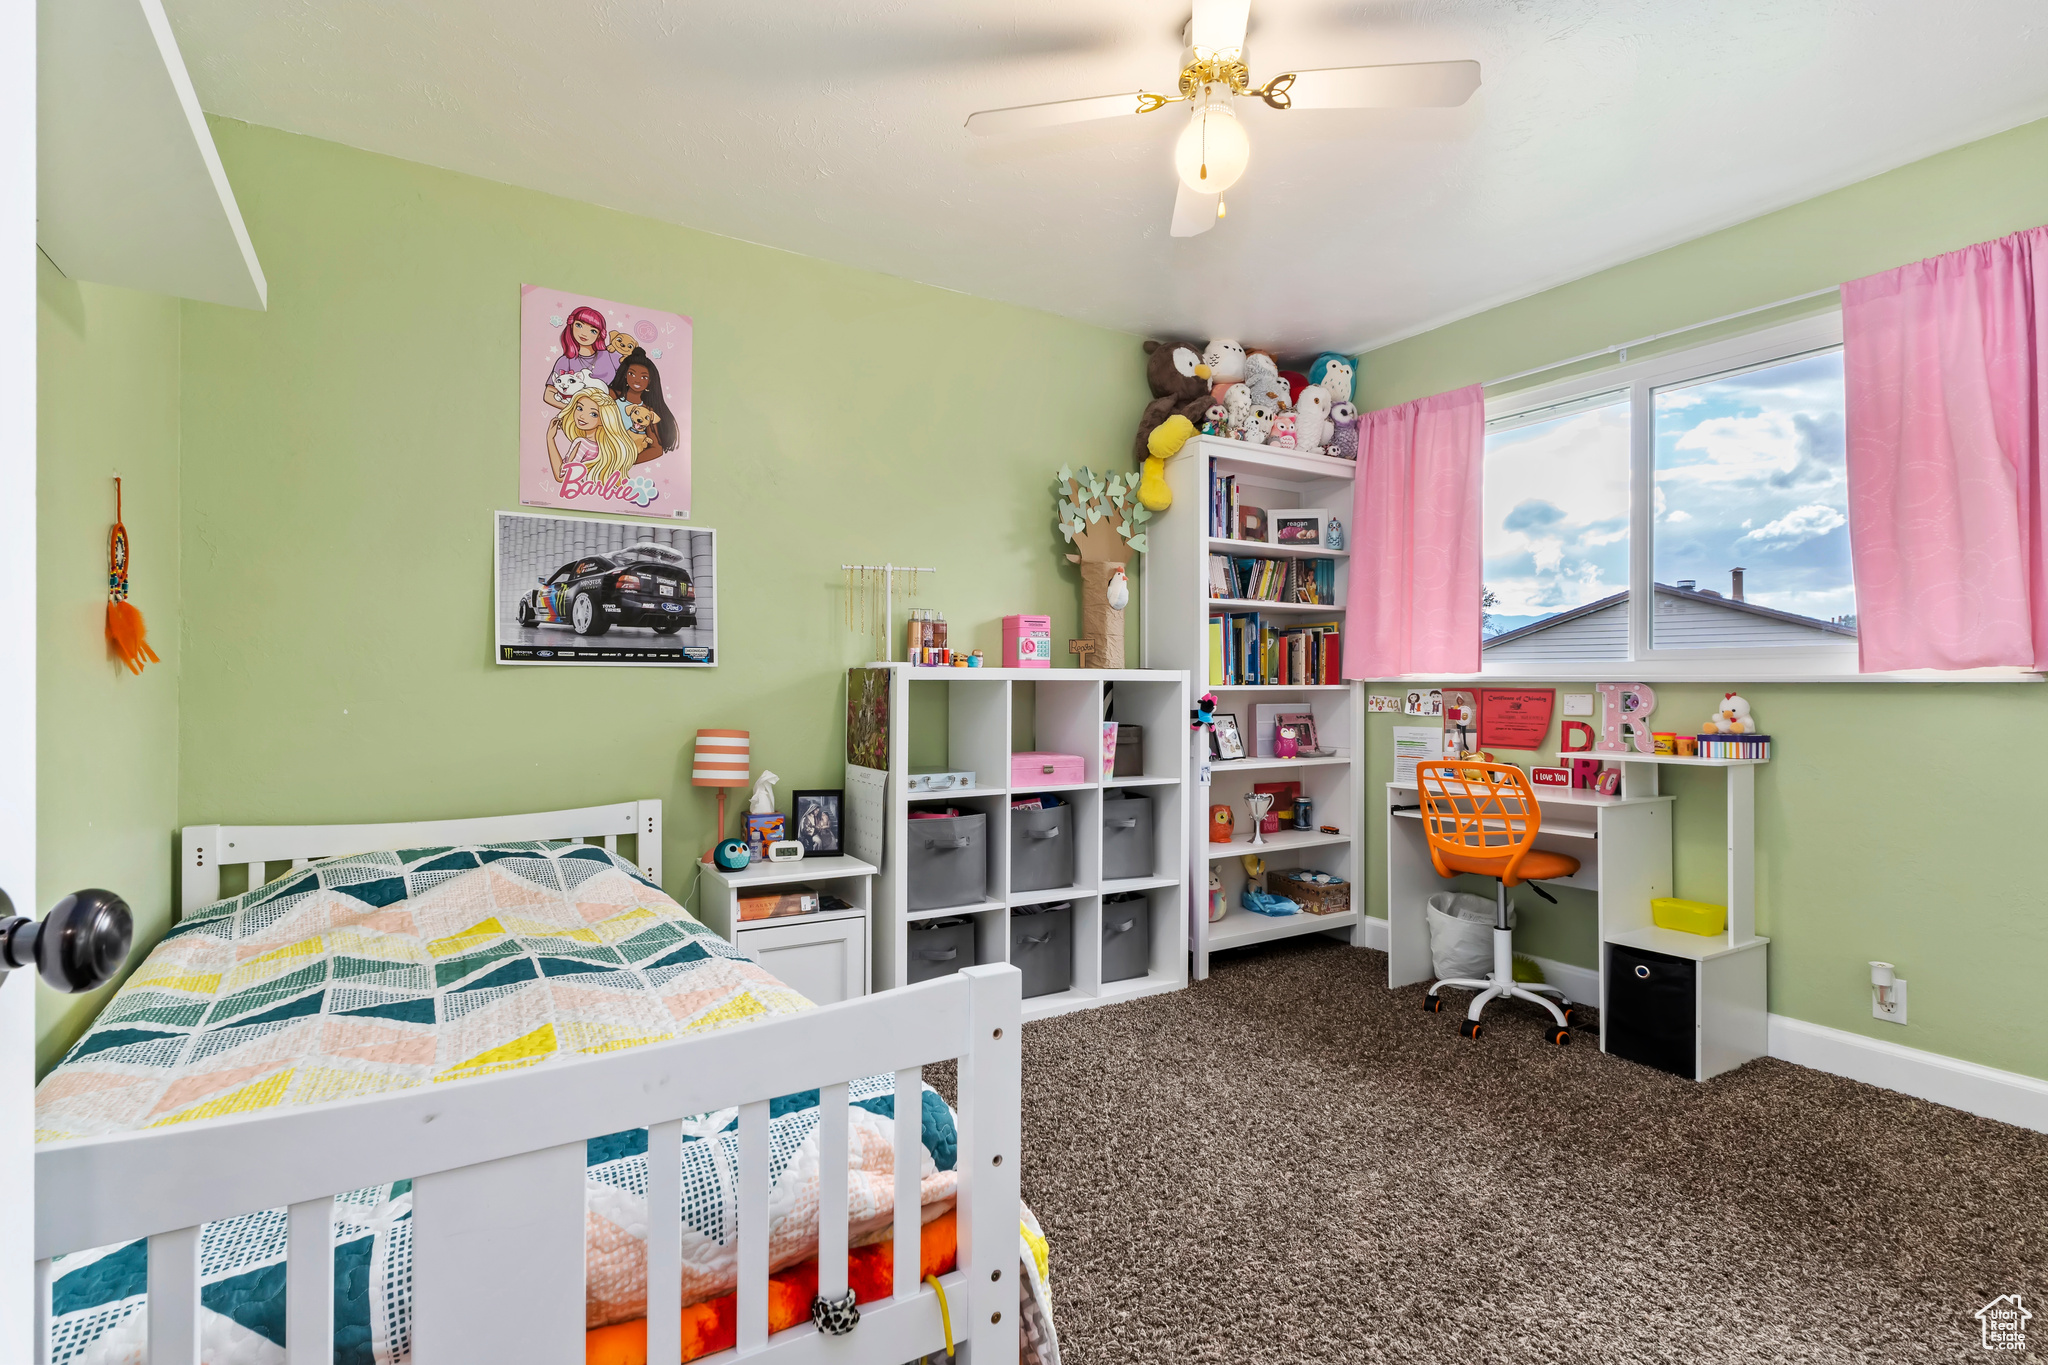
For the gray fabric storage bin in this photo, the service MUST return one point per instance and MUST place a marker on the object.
(1042, 947)
(1126, 837)
(1130, 751)
(938, 947)
(1126, 936)
(948, 861)
(1042, 848)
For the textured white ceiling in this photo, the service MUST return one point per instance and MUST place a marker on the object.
(1604, 129)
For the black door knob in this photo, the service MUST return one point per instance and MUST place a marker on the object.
(77, 947)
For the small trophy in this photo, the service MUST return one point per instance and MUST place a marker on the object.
(1260, 804)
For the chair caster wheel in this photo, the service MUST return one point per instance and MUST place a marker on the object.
(1470, 1028)
(1562, 1037)
(1571, 1016)
(1432, 1004)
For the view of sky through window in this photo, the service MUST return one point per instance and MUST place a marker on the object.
(1556, 512)
(1750, 476)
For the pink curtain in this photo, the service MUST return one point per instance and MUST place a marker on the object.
(1944, 362)
(1415, 587)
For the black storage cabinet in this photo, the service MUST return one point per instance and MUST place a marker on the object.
(1126, 837)
(1652, 1009)
(938, 947)
(1126, 936)
(948, 861)
(1042, 848)
(1042, 947)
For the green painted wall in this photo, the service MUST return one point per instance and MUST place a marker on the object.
(107, 789)
(1888, 821)
(348, 446)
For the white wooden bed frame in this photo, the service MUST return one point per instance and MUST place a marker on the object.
(498, 1162)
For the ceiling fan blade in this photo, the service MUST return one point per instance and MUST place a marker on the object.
(1218, 27)
(1194, 213)
(1021, 116)
(1413, 85)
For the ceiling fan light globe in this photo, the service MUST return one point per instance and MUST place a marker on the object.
(1212, 151)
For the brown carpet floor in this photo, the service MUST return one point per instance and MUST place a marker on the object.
(1289, 1163)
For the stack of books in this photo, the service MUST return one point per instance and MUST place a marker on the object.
(1247, 651)
(1261, 579)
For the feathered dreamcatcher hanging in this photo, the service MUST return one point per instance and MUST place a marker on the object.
(125, 631)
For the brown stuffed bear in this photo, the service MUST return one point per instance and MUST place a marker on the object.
(1180, 383)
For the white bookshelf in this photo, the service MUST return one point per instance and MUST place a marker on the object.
(1177, 607)
(991, 713)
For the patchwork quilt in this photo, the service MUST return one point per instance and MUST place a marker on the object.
(387, 971)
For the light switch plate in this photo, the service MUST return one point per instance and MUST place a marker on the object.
(1578, 703)
(1897, 1013)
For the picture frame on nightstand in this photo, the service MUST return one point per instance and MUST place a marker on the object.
(816, 820)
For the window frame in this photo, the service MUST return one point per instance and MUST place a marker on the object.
(1640, 380)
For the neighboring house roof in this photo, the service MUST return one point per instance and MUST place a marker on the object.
(1713, 602)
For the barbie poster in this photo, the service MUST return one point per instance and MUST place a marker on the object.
(604, 405)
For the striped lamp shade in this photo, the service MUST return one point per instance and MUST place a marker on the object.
(721, 759)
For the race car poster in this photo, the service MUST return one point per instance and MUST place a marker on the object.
(576, 590)
(604, 406)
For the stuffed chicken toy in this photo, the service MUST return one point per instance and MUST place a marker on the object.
(1312, 429)
(1283, 434)
(1730, 718)
(1225, 360)
(1344, 432)
(1262, 374)
(1333, 374)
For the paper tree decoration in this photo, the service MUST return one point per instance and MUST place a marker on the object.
(1102, 520)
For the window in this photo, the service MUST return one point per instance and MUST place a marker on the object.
(1686, 517)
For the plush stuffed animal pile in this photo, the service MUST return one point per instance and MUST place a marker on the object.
(1228, 390)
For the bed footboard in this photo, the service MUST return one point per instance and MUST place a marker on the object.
(498, 1221)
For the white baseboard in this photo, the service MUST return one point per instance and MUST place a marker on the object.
(2006, 1096)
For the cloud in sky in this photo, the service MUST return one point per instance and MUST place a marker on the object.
(1799, 525)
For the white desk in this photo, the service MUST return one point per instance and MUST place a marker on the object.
(824, 956)
(1623, 844)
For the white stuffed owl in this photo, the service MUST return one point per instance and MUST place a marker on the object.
(1344, 428)
(1312, 429)
(1283, 436)
(1225, 360)
(1262, 373)
(1261, 422)
(1237, 408)
(1334, 374)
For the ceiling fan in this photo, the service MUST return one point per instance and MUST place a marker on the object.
(1213, 150)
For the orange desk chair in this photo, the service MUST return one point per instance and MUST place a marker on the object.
(1482, 818)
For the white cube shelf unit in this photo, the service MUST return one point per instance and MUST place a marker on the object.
(991, 713)
(1177, 608)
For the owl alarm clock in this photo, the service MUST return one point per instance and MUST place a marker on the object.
(730, 855)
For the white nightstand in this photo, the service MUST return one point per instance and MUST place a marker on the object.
(825, 955)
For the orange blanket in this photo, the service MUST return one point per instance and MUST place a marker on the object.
(710, 1326)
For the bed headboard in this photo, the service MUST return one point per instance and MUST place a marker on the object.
(204, 848)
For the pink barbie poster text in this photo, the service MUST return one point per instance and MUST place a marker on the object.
(604, 405)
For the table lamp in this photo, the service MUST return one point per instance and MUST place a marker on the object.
(721, 761)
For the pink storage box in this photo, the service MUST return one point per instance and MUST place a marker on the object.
(1027, 642)
(1045, 770)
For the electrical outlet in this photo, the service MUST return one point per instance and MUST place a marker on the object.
(1897, 1013)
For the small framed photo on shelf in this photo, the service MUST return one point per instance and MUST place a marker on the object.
(1224, 737)
(1251, 524)
(1300, 726)
(1304, 527)
(817, 817)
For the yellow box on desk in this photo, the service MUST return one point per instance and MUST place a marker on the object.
(1689, 917)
